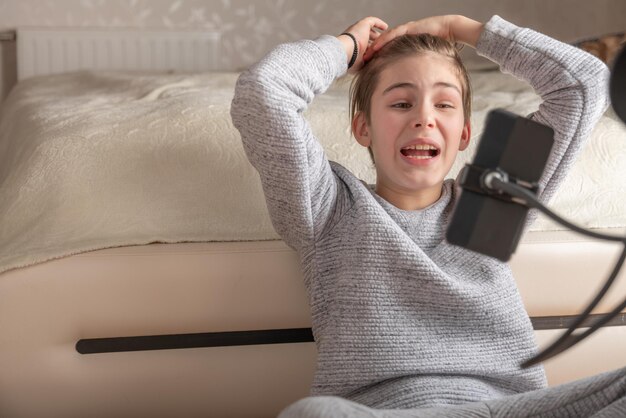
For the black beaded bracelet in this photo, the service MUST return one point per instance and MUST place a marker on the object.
(355, 53)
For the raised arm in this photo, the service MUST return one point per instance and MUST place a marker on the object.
(267, 109)
(573, 86)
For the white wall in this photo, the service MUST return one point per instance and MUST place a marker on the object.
(251, 27)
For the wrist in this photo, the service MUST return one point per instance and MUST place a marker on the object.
(466, 30)
(348, 45)
(352, 53)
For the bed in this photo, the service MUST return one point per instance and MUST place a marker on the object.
(128, 209)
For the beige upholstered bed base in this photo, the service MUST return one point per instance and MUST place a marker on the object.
(217, 287)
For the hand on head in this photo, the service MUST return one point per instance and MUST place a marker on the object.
(365, 31)
(454, 28)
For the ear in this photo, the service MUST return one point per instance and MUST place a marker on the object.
(465, 136)
(360, 129)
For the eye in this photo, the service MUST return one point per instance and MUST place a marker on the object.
(401, 105)
(445, 106)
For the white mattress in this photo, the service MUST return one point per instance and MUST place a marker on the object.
(96, 160)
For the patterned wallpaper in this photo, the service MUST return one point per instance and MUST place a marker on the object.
(250, 28)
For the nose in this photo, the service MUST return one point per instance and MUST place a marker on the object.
(424, 117)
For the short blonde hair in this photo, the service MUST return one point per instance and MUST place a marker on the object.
(365, 81)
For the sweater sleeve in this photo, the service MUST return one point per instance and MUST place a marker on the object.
(573, 86)
(270, 98)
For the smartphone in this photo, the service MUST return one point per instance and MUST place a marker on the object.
(486, 223)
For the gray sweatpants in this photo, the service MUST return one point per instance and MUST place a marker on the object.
(600, 396)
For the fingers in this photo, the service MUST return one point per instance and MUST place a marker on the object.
(366, 31)
(389, 35)
(435, 25)
(375, 22)
(367, 25)
(381, 25)
(384, 38)
(376, 28)
(374, 35)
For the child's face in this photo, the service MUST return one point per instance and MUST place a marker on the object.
(417, 103)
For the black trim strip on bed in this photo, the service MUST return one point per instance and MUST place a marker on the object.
(205, 339)
(558, 322)
(270, 336)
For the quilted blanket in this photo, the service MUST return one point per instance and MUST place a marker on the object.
(91, 160)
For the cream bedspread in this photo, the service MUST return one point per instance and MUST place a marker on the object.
(94, 160)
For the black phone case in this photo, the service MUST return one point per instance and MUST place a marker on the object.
(520, 147)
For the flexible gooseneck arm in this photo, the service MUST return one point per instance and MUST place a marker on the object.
(495, 181)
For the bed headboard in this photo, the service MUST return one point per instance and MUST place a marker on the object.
(47, 51)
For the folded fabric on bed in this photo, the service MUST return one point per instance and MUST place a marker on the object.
(92, 160)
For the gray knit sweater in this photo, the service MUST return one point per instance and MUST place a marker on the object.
(400, 317)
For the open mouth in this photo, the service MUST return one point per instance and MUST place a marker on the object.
(420, 152)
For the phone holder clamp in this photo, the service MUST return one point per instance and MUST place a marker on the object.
(480, 180)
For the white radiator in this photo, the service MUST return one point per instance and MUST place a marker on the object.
(49, 51)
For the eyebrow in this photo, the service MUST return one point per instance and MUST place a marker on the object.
(412, 86)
